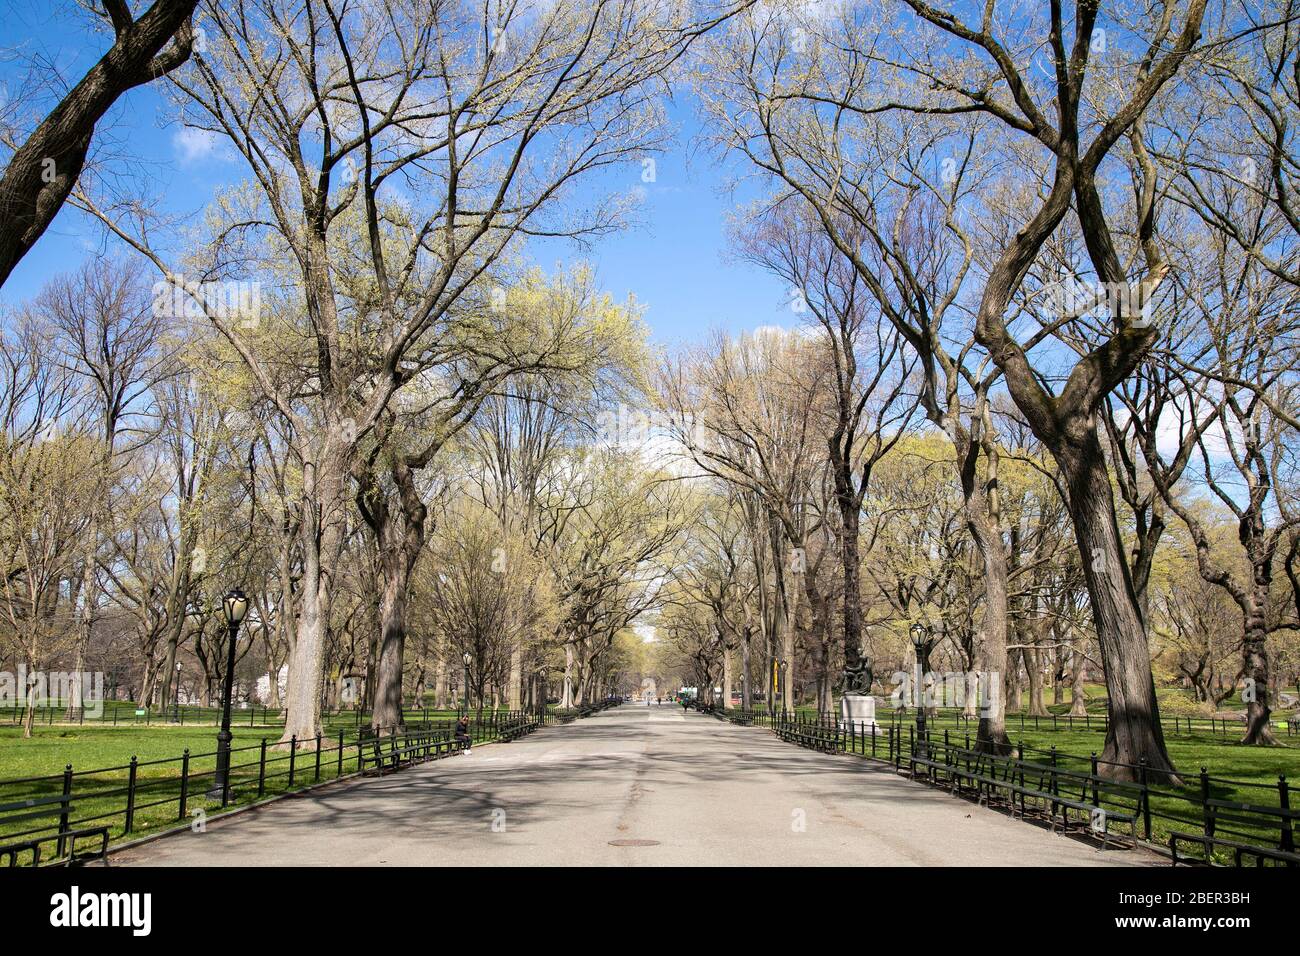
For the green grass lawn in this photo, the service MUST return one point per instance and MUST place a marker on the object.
(93, 746)
(50, 749)
(100, 758)
(167, 791)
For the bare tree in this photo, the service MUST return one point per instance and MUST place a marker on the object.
(430, 119)
(108, 335)
(43, 168)
(868, 373)
(1088, 125)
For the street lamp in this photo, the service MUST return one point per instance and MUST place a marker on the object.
(467, 660)
(541, 700)
(782, 665)
(920, 637)
(178, 690)
(234, 606)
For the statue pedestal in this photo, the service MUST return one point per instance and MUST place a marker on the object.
(858, 711)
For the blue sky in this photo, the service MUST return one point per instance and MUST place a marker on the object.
(673, 262)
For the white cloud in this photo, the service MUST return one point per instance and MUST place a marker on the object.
(195, 145)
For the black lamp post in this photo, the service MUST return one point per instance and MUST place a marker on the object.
(234, 606)
(178, 690)
(781, 667)
(466, 659)
(541, 699)
(920, 637)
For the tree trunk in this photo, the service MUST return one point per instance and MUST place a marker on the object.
(399, 530)
(851, 567)
(991, 640)
(387, 711)
(1014, 686)
(566, 700)
(514, 689)
(86, 615)
(1254, 661)
(826, 698)
(440, 682)
(1134, 732)
(323, 509)
(148, 682)
(746, 693)
(726, 676)
(1034, 670)
(29, 718)
(1078, 700)
(982, 511)
(176, 608)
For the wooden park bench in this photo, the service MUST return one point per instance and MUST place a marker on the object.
(377, 753)
(819, 737)
(514, 729)
(1231, 814)
(1099, 800)
(58, 806)
(1052, 789)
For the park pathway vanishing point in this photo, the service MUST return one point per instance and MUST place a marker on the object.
(596, 791)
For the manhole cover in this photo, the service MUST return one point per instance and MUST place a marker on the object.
(633, 842)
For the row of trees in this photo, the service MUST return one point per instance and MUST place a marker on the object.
(1044, 263)
(398, 158)
(142, 478)
(1062, 237)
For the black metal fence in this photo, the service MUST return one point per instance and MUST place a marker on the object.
(56, 817)
(124, 714)
(1221, 726)
(1224, 819)
(1024, 723)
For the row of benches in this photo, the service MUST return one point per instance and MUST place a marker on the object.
(823, 738)
(1057, 793)
(1054, 791)
(519, 727)
(380, 753)
(585, 710)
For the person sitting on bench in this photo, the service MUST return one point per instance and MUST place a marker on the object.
(462, 732)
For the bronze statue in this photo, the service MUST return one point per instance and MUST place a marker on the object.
(857, 679)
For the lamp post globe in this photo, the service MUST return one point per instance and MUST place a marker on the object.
(233, 607)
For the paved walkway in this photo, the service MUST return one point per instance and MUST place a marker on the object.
(631, 786)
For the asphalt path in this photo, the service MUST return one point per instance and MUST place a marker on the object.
(631, 786)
